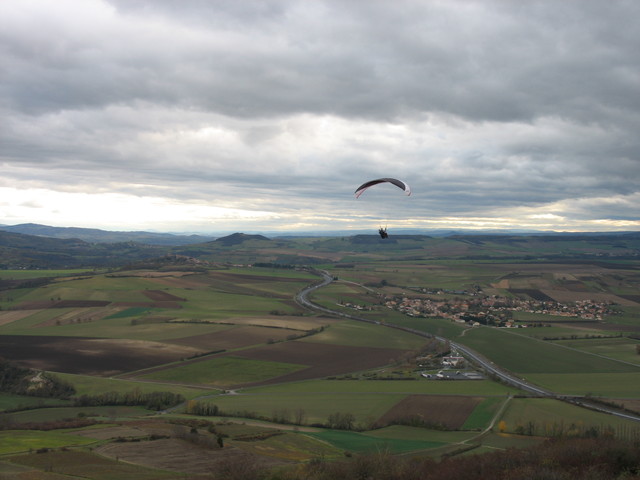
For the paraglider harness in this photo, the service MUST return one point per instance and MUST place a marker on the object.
(383, 232)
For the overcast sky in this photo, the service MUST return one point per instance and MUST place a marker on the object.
(228, 115)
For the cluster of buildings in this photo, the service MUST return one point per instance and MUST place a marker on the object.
(494, 310)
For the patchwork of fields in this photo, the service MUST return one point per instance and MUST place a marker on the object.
(235, 344)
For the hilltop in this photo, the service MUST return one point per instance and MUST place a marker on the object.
(238, 238)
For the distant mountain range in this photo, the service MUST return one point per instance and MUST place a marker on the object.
(173, 239)
(54, 247)
(94, 235)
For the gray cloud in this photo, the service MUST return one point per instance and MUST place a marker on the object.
(486, 107)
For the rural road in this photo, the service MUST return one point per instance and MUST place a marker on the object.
(302, 298)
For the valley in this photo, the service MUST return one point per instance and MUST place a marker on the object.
(270, 366)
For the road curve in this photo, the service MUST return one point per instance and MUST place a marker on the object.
(302, 298)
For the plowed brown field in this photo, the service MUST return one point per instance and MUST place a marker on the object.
(446, 410)
(89, 356)
(179, 456)
(234, 338)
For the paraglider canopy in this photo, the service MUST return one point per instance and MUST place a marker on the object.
(398, 183)
(394, 181)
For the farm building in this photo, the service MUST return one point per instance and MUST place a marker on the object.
(454, 362)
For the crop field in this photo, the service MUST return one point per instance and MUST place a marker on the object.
(361, 443)
(45, 323)
(26, 274)
(525, 355)
(225, 371)
(562, 330)
(481, 416)
(83, 464)
(439, 437)
(371, 410)
(176, 455)
(607, 385)
(619, 348)
(435, 326)
(20, 402)
(323, 359)
(449, 411)
(407, 387)
(544, 417)
(51, 414)
(366, 409)
(294, 447)
(110, 324)
(236, 337)
(93, 385)
(89, 356)
(17, 441)
(239, 330)
(359, 334)
(289, 322)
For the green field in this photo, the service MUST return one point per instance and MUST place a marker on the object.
(359, 334)
(623, 349)
(107, 328)
(89, 385)
(361, 443)
(223, 372)
(442, 437)
(612, 385)
(422, 386)
(548, 417)
(219, 310)
(315, 408)
(60, 413)
(27, 274)
(525, 355)
(482, 415)
(20, 402)
(17, 441)
(435, 326)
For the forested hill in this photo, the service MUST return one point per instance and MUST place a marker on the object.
(34, 252)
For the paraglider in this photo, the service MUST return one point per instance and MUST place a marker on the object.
(398, 183)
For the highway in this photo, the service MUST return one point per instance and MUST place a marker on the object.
(302, 298)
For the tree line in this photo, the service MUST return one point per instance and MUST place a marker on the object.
(19, 380)
(26, 381)
(150, 400)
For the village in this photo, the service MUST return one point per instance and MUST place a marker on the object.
(493, 310)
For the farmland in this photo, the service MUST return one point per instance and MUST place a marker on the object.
(250, 363)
